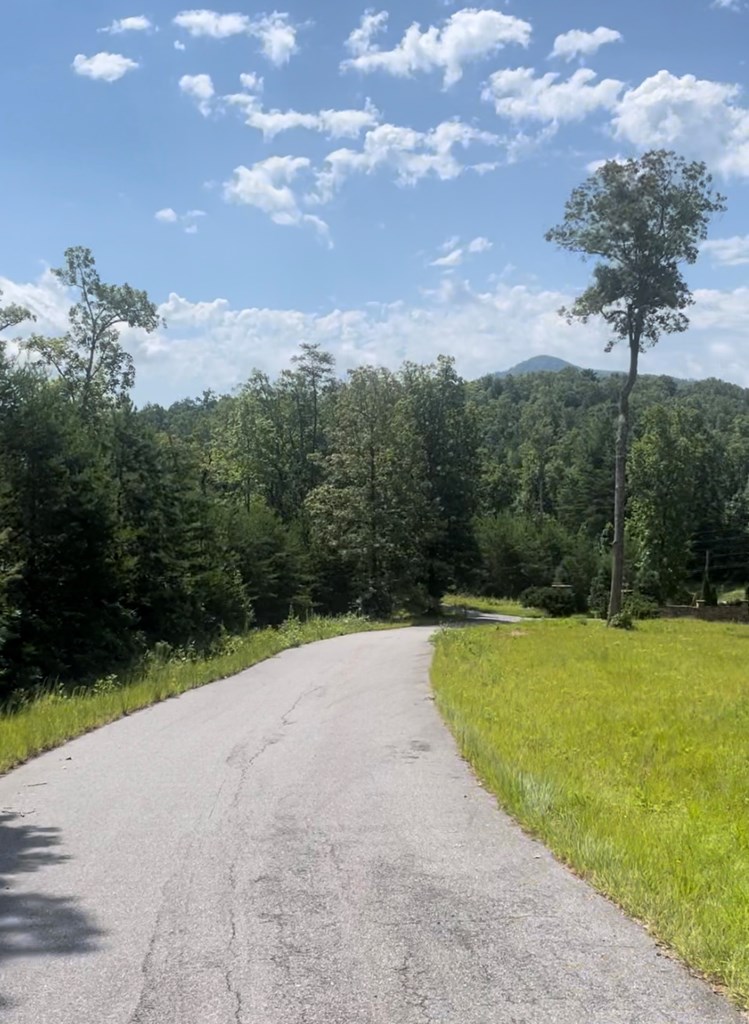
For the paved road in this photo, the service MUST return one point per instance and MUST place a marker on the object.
(302, 845)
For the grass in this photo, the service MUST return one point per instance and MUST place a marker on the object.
(626, 753)
(58, 716)
(731, 592)
(494, 605)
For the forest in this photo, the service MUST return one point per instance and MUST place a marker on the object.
(125, 527)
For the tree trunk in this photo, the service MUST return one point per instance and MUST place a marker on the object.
(620, 482)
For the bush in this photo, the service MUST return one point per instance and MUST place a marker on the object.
(621, 621)
(637, 606)
(555, 601)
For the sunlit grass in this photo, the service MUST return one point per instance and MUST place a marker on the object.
(58, 716)
(627, 753)
(494, 605)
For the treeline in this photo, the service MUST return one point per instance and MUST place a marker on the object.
(121, 528)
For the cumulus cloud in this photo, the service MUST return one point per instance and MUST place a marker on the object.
(728, 252)
(371, 24)
(700, 118)
(188, 220)
(137, 23)
(103, 67)
(275, 32)
(179, 46)
(211, 24)
(468, 35)
(212, 344)
(200, 89)
(267, 186)
(519, 95)
(577, 43)
(336, 124)
(455, 254)
(408, 154)
(252, 82)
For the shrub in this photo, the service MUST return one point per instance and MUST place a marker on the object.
(621, 621)
(637, 606)
(555, 601)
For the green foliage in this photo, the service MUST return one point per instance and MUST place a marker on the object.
(669, 468)
(638, 606)
(640, 218)
(626, 754)
(622, 620)
(557, 602)
(88, 359)
(125, 529)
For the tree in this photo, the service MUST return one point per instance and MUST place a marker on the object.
(89, 358)
(666, 466)
(372, 511)
(13, 315)
(642, 219)
(445, 428)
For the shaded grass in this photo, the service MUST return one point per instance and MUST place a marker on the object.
(58, 716)
(627, 754)
(494, 605)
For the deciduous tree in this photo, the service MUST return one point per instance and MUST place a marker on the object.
(642, 220)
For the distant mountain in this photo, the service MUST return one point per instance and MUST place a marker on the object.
(538, 364)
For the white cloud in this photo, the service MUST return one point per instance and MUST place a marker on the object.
(267, 186)
(455, 253)
(451, 259)
(410, 155)
(728, 252)
(275, 32)
(577, 43)
(211, 344)
(466, 36)
(252, 82)
(479, 245)
(596, 165)
(360, 40)
(138, 23)
(699, 118)
(277, 36)
(336, 124)
(103, 67)
(209, 23)
(187, 220)
(519, 95)
(199, 88)
(728, 5)
(179, 46)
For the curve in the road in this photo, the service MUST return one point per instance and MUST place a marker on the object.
(302, 844)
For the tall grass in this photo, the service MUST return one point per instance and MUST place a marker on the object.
(58, 715)
(627, 753)
(494, 605)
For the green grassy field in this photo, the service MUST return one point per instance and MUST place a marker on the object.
(59, 716)
(628, 754)
(495, 605)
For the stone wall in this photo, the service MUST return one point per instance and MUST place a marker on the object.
(717, 613)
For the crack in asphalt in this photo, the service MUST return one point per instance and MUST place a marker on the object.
(409, 982)
(234, 992)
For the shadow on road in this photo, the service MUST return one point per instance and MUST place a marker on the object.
(34, 923)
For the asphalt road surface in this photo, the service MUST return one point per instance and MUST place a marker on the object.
(302, 844)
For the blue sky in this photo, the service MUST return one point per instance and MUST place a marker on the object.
(375, 179)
